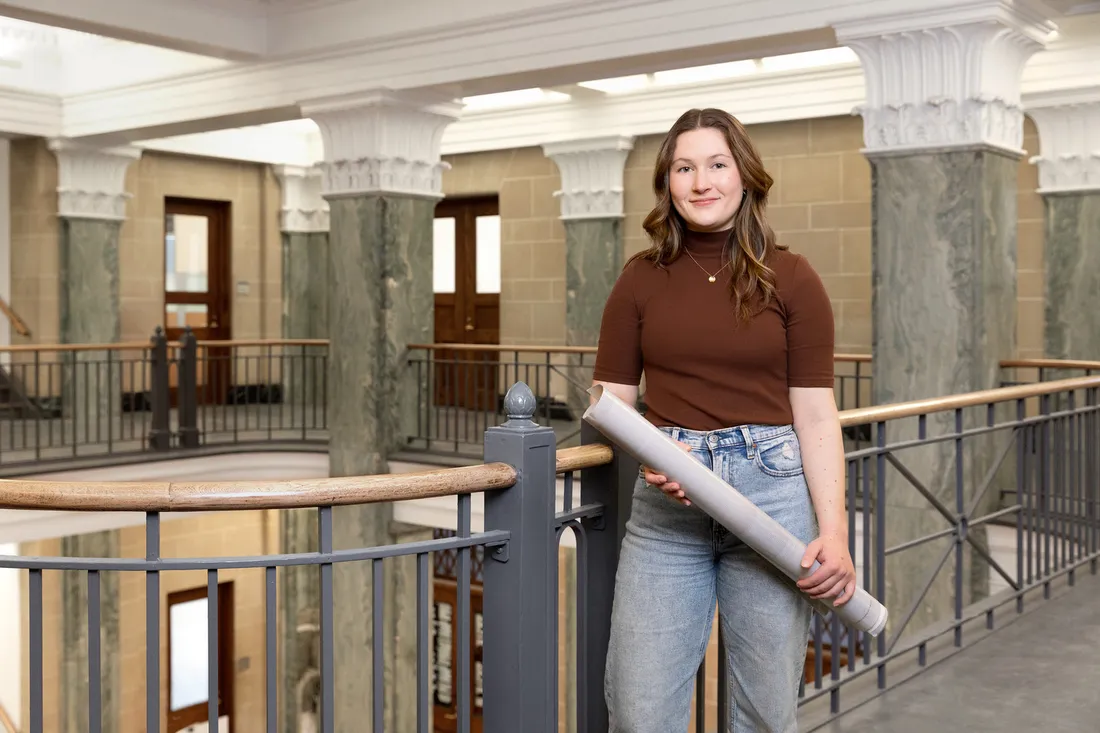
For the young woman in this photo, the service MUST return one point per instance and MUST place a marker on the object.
(735, 336)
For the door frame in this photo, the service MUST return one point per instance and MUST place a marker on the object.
(216, 380)
(180, 719)
(470, 386)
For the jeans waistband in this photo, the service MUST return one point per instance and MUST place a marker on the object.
(738, 435)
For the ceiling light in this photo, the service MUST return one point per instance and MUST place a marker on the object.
(516, 98)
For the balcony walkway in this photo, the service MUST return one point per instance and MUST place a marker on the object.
(1037, 673)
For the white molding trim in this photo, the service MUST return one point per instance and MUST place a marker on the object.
(591, 175)
(940, 80)
(92, 181)
(1069, 142)
(30, 113)
(383, 142)
(303, 208)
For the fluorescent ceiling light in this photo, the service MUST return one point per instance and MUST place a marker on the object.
(700, 74)
(515, 98)
(809, 59)
(618, 84)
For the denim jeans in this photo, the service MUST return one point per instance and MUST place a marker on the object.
(676, 562)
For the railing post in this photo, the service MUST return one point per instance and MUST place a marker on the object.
(520, 593)
(160, 433)
(188, 391)
(611, 485)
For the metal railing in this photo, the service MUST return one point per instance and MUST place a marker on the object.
(926, 478)
(460, 389)
(98, 402)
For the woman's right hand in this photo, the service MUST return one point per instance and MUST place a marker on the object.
(671, 488)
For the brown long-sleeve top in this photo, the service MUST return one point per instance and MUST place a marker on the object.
(703, 369)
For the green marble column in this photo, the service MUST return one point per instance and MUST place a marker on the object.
(1072, 256)
(593, 261)
(944, 148)
(380, 300)
(74, 636)
(305, 312)
(381, 176)
(91, 203)
(88, 294)
(944, 305)
(591, 197)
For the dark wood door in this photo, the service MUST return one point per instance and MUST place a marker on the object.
(197, 286)
(188, 657)
(467, 301)
(445, 657)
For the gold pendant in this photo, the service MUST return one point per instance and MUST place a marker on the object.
(711, 278)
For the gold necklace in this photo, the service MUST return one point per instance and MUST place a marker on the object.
(710, 277)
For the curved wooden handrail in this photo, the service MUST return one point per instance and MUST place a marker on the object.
(22, 329)
(6, 722)
(119, 346)
(135, 496)
(262, 342)
(1049, 364)
(529, 348)
(583, 456)
(882, 413)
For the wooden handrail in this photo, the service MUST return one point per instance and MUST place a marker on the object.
(526, 348)
(31, 348)
(132, 496)
(20, 328)
(1049, 364)
(882, 413)
(243, 495)
(583, 456)
(6, 722)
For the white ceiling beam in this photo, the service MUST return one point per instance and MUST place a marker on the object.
(599, 38)
(228, 29)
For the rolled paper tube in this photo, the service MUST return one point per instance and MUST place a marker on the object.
(625, 427)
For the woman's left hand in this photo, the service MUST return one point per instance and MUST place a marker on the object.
(836, 576)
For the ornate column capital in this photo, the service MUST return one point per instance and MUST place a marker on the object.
(946, 78)
(591, 175)
(383, 142)
(92, 180)
(1069, 141)
(303, 208)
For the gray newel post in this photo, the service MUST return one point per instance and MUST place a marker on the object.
(520, 591)
(610, 485)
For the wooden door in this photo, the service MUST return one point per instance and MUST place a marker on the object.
(467, 301)
(196, 286)
(445, 657)
(188, 657)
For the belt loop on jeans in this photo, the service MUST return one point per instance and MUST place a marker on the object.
(750, 446)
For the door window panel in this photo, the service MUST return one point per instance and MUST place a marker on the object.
(186, 253)
(443, 255)
(487, 231)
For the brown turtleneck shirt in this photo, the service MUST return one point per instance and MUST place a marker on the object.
(703, 369)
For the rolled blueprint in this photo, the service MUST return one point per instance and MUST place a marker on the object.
(623, 425)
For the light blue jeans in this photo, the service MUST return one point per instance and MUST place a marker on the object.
(676, 562)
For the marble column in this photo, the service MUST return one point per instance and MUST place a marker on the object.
(944, 147)
(591, 198)
(73, 687)
(1069, 181)
(91, 208)
(382, 178)
(304, 224)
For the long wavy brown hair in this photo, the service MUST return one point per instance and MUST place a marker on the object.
(751, 241)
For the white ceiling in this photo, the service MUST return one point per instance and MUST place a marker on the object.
(126, 70)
